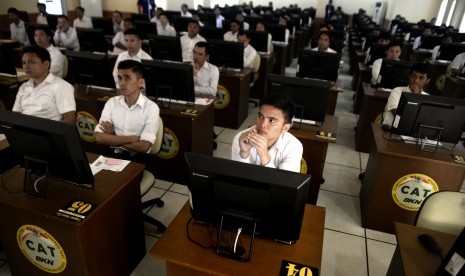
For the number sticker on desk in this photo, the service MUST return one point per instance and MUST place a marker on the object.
(76, 210)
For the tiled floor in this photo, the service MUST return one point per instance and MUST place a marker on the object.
(348, 248)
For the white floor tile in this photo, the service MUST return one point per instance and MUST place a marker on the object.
(341, 179)
(162, 184)
(364, 159)
(379, 257)
(343, 254)
(345, 137)
(151, 194)
(149, 265)
(381, 236)
(5, 270)
(347, 121)
(178, 188)
(173, 203)
(227, 136)
(218, 129)
(223, 150)
(342, 212)
(343, 155)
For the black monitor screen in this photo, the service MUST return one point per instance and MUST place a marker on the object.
(448, 51)
(92, 40)
(394, 73)
(430, 41)
(90, 69)
(275, 197)
(140, 17)
(106, 24)
(433, 112)
(259, 40)
(166, 48)
(52, 21)
(226, 54)
(310, 96)
(458, 37)
(212, 33)
(318, 65)
(181, 23)
(171, 80)
(376, 51)
(7, 63)
(56, 143)
(147, 30)
(278, 33)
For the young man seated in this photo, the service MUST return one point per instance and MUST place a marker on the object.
(420, 75)
(130, 120)
(269, 143)
(393, 51)
(206, 75)
(324, 40)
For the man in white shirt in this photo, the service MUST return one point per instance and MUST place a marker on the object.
(164, 27)
(184, 11)
(118, 22)
(17, 27)
(393, 51)
(261, 27)
(456, 67)
(81, 20)
(240, 18)
(134, 51)
(44, 95)
(195, 16)
(129, 120)
(42, 37)
(65, 35)
(420, 75)
(283, 22)
(118, 39)
(218, 18)
(206, 75)
(427, 30)
(156, 17)
(446, 38)
(269, 143)
(324, 39)
(189, 40)
(42, 17)
(234, 29)
(249, 51)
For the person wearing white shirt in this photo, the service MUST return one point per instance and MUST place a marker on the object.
(206, 75)
(118, 22)
(156, 17)
(420, 75)
(240, 19)
(195, 16)
(218, 18)
(129, 120)
(393, 51)
(17, 27)
(189, 40)
(456, 67)
(232, 34)
(44, 95)
(163, 26)
(269, 142)
(81, 20)
(184, 11)
(249, 51)
(42, 37)
(65, 35)
(42, 16)
(446, 38)
(134, 51)
(324, 39)
(118, 39)
(261, 27)
(426, 31)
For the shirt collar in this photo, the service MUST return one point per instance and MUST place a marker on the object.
(279, 142)
(49, 79)
(141, 101)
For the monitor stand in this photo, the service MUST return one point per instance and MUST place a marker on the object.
(31, 184)
(423, 144)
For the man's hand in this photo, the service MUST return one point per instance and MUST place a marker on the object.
(244, 145)
(260, 143)
(107, 127)
(196, 68)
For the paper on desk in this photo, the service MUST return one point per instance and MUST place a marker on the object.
(111, 164)
(412, 140)
(2, 137)
(203, 101)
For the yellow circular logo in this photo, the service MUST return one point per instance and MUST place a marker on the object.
(303, 166)
(379, 119)
(41, 249)
(223, 97)
(86, 123)
(411, 190)
(440, 82)
(170, 145)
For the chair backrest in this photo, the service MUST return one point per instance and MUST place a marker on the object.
(159, 139)
(65, 66)
(256, 67)
(443, 211)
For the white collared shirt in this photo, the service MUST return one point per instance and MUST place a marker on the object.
(393, 102)
(187, 46)
(118, 27)
(58, 61)
(376, 67)
(42, 19)
(219, 21)
(119, 37)
(125, 56)
(229, 36)
(141, 119)
(417, 42)
(206, 79)
(85, 22)
(50, 99)
(68, 39)
(285, 154)
(168, 30)
(187, 14)
(249, 56)
(18, 33)
(329, 50)
(457, 63)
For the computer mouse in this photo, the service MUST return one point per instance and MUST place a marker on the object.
(430, 243)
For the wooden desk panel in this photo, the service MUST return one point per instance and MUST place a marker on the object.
(6, 156)
(258, 90)
(89, 246)
(363, 76)
(280, 50)
(186, 258)
(454, 88)
(389, 161)
(438, 76)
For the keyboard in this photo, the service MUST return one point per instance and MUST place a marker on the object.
(198, 101)
(309, 122)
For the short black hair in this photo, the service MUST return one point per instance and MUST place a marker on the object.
(134, 66)
(281, 101)
(385, 35)
(393, 44)
(118, 12)
(41, 5)
(13, 10)
(242, 32)
(421, 68)
(325, 33)
(235, 21)
(46, 30)
(132, 31)
(41, 53)
(203, 44)
(130, 19)
(80, 8)
(63, 16)
(194, 22)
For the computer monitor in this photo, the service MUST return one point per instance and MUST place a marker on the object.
(212, 33)
(259, 40)
(90, 69)
(169, 80)
(394, 73)
(104, 23)
(448, 51)
(226, 54)
(274, 198)
(278, 33)
(92, 40)
(208, 18)
(310, 96)
(7, 62)
(55, 150)
(140, 17)
(430, 41)
(180, 23)
(52, 21)
(31, 28)
(166, 48)
(146, 30)
(458, 37)
(376, 51)
(434, 117)
(253, 20)
(318, 65)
